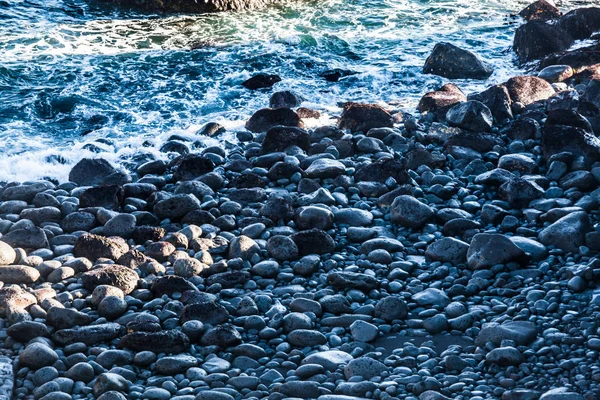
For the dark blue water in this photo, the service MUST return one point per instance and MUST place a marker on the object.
(75, 71)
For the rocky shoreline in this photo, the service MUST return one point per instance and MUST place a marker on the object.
(450, 254)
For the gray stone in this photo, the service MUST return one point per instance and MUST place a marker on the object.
(330, 360)
(410, 212)
(363, 331)
(37, 355)
(122, 225)
(365, 367)
(568, 233)
(18, 274)
(505, 356)
(449, 250)
(489, 249)
(520, 332)
(175, 364)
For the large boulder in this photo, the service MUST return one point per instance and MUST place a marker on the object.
(489, 249)
(537, 39)
(363, 117)
(540, 10)
(568, 233)
(581, 23)
(191, 166)
(91, 171)
(471, 115)
(266, 118)
(115, 275)
(441, 100)
(497, 99)
(453, 62)
(410, 212)
(261, 81)
(279, 138)
(577, 141)
(578, 59)
(93, 247)
(382, 170)
(529, 89)
(520, 332)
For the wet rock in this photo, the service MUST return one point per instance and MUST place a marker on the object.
(177, 206)
(362, 117)
(171, 341)
(489, 249)
(314, 217)
(282, 248)
(520, 192)
(540, 10)
(453, 62)
(581, 23)
(175, 364)
(261, 81)
(410, 212)
(207, 312)
(520, 332)
(191, 166)
(556, 73)
(505, 356)
(223, 336)
(114, 275)
(391, 308)
(267, 118)
(568, 233)
(89, 172)
(210, 129)
(279, 138)
(106, 196)
(313, 241)
(528, 89)
(108, 382)
(324, 168)
(471, 115)
(497, 99)
(306, 338)
(170, 284)
(93, 247)
(352, 280)
(447, 250)
(579, 142)
(382, 170)
(300, 389)
(537, 39)
(285, 99)
(561, 394)
(441, 100)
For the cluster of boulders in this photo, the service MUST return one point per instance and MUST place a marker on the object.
(445, 255)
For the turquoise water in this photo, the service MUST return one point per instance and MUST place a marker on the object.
(76, 71)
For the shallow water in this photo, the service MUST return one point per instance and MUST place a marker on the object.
(75, 71)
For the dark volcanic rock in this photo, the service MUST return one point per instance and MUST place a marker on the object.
(381, 170)
(91, 171)
(89, 335)
(107, 196)
(581, 23)
(114, 275)
(520, 192)
(334, 75)
(540, 10)
(208, 312)
(27, 238)
(453, 62)
(529, 89)
(223, 336)
(191, 166)
(211, 129)
(261, 81)
(537, 39)
(579, 142)
(441, 100)
(313, 241)
(568, 233)
(285, 99)
(171, 341)
(352, 280)
(170, 284)
(497, 99)
(471, 115)
(577, 59)
(93, 247)
(279, 138)
(267, 118)
(489, 249)
(176, 206)
(362, 117)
